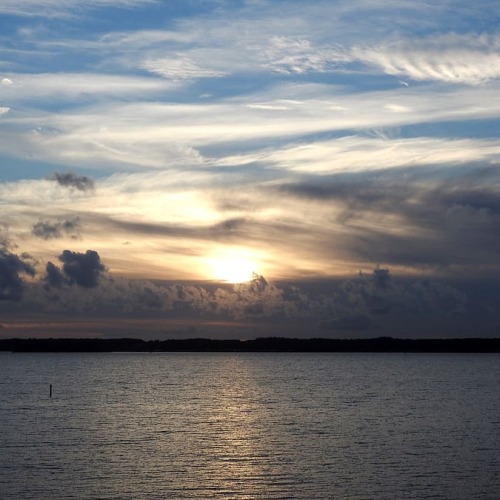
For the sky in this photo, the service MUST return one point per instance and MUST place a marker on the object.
(243, 168)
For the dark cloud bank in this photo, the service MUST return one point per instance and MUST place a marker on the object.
(403, 219)
(370, 304)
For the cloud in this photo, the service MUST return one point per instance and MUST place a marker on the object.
(346, 305)
(82, 183)
(300, 98)
(62, 8)
(415, 219)
(48, 230)
(358, 153)
(181, 135)
(253, 300)
(381, 277)
(349, 323)
(288, 55)
(11, 269)
(83, 269)
(469, 59)
(53, 276)
(400, 218)
(180, 69)
(83, 87)
(220, 230)
(133, 40)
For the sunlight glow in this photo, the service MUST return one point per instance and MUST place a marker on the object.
(233, 268)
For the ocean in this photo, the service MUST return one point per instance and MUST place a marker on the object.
(249, 426)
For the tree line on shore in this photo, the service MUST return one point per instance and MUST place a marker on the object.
(261, 344)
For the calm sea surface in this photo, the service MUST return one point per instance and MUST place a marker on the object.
(224, 425)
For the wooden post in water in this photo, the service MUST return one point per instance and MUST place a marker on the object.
(50, 391)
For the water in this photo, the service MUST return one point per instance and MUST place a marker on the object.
(245, 426)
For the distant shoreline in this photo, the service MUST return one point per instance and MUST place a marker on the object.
(261, 344)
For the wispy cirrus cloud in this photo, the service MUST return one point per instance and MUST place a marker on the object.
(469, 59)
(288, 55)
(180, 69)
(24, 87)
(62, 8)
(360, 153)
(163, 134)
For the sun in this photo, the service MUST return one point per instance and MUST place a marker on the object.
(233, 269)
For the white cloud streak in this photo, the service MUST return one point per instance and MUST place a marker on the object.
(361, 154)
(468, 59)
(62, 8)
(161, 135)
(180, 69)
(89, 86)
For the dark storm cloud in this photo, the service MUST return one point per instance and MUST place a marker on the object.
(349, 323)
(150, 299)
(48, 230)
(83, 269)
(71, 180)
(11, 269)
(4, 241)
(363, 304)
(448, 225)
(368, 302)
(381, 277)
(355, 193)
(454, 222)
(53, 276)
